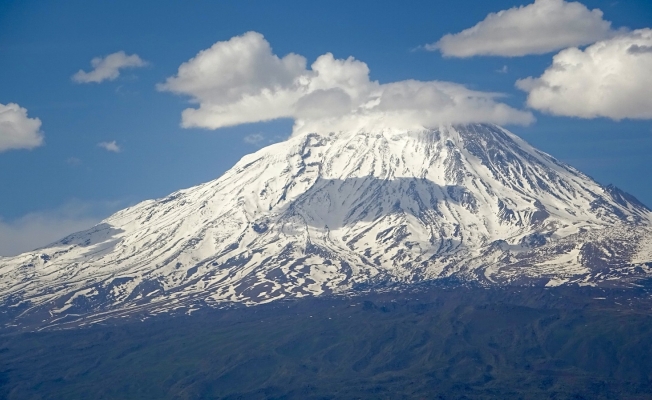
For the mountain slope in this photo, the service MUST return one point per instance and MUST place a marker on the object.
(322, 214)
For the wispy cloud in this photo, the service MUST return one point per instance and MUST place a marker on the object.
(108, 68)
(37, 229)
(111, 146)
(254, 138)
(73, 161)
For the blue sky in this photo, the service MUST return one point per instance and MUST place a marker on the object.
(70, 180)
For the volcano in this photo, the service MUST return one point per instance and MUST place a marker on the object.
(340, 213)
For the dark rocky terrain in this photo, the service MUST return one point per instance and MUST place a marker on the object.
(433, 342)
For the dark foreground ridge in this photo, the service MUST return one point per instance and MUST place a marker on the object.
(434, 343)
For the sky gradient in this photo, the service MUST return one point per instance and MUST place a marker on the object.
(109, 141)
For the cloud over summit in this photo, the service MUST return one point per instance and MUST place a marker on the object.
(241, 81)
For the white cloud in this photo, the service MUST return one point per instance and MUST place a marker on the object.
(17, 130)
(108, 68)
(611, 78)
(538, 28)
(254, 138)
(110, 146)
(241, 81)
(39, 229)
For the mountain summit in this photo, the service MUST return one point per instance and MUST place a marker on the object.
(328, 214)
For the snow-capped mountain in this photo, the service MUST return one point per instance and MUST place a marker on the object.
(321, 214)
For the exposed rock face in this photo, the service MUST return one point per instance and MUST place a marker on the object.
(332, 213)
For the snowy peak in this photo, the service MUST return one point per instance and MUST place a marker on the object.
(331, 213)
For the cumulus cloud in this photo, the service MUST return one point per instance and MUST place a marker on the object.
(607, 79)
(111, 146)
(241, 81)
(538, 28)
(108, 68)
(17, 130)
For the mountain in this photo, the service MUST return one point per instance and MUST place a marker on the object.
(340, 213)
